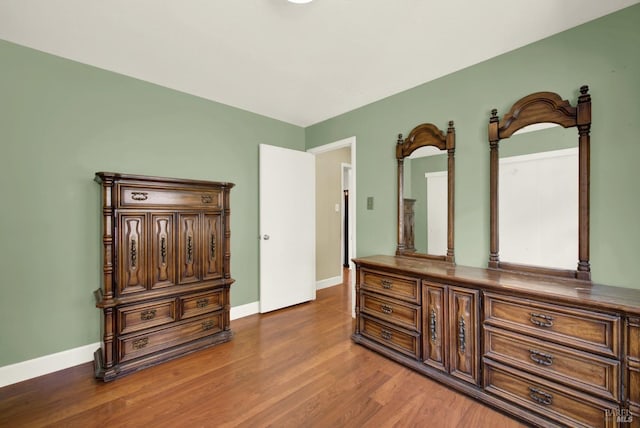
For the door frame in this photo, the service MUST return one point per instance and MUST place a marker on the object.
(351, 143)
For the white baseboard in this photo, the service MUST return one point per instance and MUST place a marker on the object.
(29, 369)
(329, 282)
(24, 370)
(244, 310)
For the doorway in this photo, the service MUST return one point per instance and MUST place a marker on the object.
(343, 212)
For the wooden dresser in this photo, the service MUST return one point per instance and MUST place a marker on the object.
(165, 289)
(548, 351)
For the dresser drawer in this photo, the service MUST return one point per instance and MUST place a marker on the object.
(634, 415)
(579, 370)
(400, 287)
(548, 398)
(134, 346)
(394, 311)
(586, 330)
(197, 304)
(131, 196)
(139, 317)
(407, 342)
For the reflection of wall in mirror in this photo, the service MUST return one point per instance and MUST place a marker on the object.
(419, 167)
(538, 199)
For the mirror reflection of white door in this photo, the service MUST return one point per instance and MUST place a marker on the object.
(437, 189)
(287, 227)
(538, 208)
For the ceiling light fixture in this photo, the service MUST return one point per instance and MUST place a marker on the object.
(300, 1)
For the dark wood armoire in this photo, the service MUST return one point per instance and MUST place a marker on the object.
(409, 225)
(166, 275)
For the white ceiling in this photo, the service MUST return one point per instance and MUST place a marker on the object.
(298, 63)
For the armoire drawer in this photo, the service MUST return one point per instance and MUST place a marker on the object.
(138, 317)
(407, 342)
(391, 310)
(582, 329)
(400, 287)
(134, 196)
(197, 304)
(547, 398)
(576, 369)
(134, 346)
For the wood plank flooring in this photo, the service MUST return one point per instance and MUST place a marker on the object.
(296, 367)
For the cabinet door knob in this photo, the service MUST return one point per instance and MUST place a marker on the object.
(266, 237)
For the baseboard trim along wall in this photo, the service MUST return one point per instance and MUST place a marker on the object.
(40, 366)
(244, 310)
(29, 369)
(329, 282)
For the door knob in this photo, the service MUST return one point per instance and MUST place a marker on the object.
(266, 237)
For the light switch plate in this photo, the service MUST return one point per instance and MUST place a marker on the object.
(369, 202)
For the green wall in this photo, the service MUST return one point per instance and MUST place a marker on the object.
(603, 54)
(60, 122)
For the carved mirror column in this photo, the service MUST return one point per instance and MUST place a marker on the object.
(544, 107)
(426, 135)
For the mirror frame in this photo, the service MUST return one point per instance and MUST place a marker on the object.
(423, 135)
(544, 107)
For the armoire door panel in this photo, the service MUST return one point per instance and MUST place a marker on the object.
(434, 331)
(188, 248)
(212, 246)
(464, 316)
(132, 253)
(162, 251)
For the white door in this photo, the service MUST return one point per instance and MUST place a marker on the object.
(287, 227)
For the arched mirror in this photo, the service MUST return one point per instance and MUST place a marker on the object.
(545, 193)
(426, 168)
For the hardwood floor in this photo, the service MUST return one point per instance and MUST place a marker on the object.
(296, 367)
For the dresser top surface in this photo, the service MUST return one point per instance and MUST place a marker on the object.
(117, 176)
(528, 285)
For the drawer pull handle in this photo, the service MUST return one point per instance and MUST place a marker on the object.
(386, 334)
(386, 309)
(386, 284)
(206, 199)
(139, 196)
(462, 335)
(207, 325)
(540, 396)
(140, 343)
(147, 315)
(540, 357)
(541, 320)
(432, 325)
(202, 303)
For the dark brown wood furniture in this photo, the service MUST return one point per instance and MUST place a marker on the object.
(426, 135)
(409, 225)
(166, 281)
(545, 107)
(546, 346)
(548, 351)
